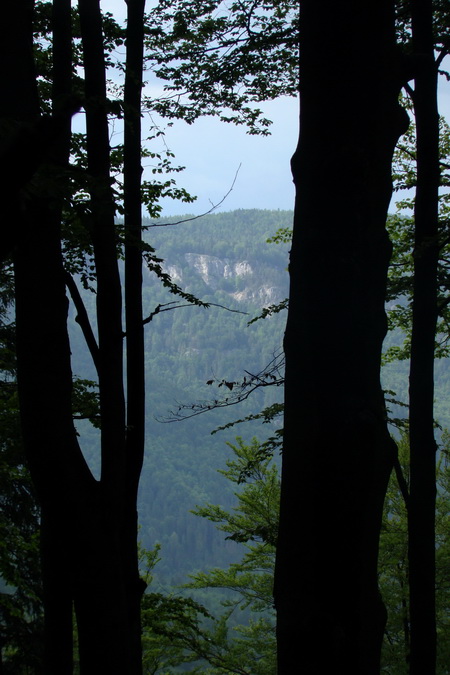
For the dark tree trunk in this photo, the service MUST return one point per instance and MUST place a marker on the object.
(102, 228)
(133, 308)
(43, 352)
(422, 500)
(337, 453)
(89, 527)
(18, 118)
(101, 601)
(56, 559)
(62, 479)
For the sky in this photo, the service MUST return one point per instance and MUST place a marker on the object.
(218, 156)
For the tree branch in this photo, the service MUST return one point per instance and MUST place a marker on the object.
(270, 376)
(166, 308)
(213, 207)
(82, 319)
(401, 480)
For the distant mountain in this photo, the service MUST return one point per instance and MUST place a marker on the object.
(222, 259)
(220, 273)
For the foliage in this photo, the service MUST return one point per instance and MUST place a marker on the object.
(21, 618)
(73, 183)
(282, 236)
(170, 622)
(401, 232)
(179, 630)
(255, 516)
(393, 565)
(254, 523)
(223, 59)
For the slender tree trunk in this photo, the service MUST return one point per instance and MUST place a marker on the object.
(102, 227)
(101, 594)
(422, 500)
(122, 442)
(133, 308)
(337, 453)
(56, 559)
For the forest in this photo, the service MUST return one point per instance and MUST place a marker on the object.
(224, 442)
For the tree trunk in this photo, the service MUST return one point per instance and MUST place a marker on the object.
(42, 344)
(337, 453)
(89, 527)
(122, 442)
(56, 563)
(422, 500)
(135, 360)
(101, 601)
(18, 117)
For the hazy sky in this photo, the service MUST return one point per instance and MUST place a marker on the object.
(212, 151)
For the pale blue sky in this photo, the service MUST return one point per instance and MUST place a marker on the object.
(213, 151)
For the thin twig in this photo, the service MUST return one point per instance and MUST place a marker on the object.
(214, 206)
(165, 308)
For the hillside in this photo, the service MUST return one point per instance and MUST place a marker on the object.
(222, 259)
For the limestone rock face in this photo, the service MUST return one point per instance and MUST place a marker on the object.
(264, 295)
(240, 279)
(212, 269)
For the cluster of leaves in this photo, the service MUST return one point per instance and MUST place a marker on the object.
(223, 58)
(401, 232)
(73, 182)
(178, 630)
(441, 19)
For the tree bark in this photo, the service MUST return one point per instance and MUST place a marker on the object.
(422, 499)
(135, 360)
(42, 344)
(89, 527)
(105, 636)
(18, 118)
(56, 559)
(337, 454)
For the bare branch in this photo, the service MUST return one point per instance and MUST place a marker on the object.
(213, 208)
(409, 90)
(401, 480)
(271, 376)
(82, 319)
(166, 308)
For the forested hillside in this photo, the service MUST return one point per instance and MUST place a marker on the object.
(222, 259)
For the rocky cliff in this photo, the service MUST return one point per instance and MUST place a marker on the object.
(245, 282)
